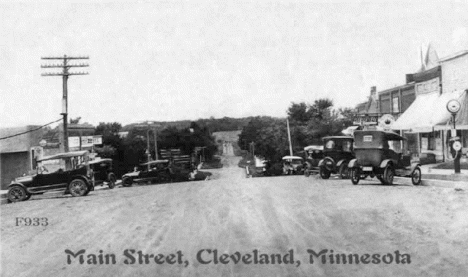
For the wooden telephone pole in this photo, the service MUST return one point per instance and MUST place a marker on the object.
(65, 66)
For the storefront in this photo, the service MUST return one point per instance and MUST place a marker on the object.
(455, 79)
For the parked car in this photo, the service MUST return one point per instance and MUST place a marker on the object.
(69, 172)
(103, 174)
(337, 151)
(313, 155)
(153, 171)
(378, 153)
(293, 165)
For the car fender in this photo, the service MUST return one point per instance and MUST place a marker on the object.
(18, 184)
(340, 162)
(384, 163)
(414, 166)
(322, 161)
(353, 163)
(88, 182)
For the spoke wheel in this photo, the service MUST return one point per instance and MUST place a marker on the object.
(127, 182)
(78, 187)
(388, 175)
(17, 194)
(112, 180)
(416, 176)
(355, 175)
(324, 173)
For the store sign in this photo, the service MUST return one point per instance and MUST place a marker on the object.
(430, 86)
(86, 141)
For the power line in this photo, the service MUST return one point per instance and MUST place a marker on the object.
(29, 131)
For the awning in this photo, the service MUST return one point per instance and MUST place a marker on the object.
(461, 119)
(427, 111)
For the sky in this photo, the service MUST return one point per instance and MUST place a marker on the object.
(179, 60)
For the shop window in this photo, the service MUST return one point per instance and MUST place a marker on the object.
(428, 140)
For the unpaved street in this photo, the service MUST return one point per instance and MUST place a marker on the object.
(231, 213)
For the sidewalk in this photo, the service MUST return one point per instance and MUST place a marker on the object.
(429, 172)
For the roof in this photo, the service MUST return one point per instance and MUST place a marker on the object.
(64, 155)
(453, 56)
(155, 162)
(337, 137)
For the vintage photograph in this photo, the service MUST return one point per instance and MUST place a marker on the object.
(234, 138)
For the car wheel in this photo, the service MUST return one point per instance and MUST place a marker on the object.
(112, 180)
(343, 171)
(416, 176)
(388, 175)
(355, 175)
(78, 187)
(306, 173)
(127, 182)
(381, 179)
(324, 173)
(17, 194)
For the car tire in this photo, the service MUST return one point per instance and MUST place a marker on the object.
(381, 179)
(17, 194)
(306, 173)
(127, 181)
(388, 175)
(111, 180)
(343, 171)
(355, 175)
(324, 173)
(416, 176)
(78, 187)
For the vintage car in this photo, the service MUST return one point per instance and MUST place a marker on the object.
(103, 174)
(153, 171)
(337, 152)
(378, 153)
(293, 165)
(313, 155)
(69, 172)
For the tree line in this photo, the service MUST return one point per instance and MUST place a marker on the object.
(309, 123)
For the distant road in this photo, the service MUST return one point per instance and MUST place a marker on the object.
(232, 213)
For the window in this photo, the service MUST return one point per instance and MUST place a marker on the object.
(396, 104)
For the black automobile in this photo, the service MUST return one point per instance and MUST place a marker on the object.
(337, 151)
(380, 154)
(103, 173)
(153, 171)
(68, 172)
(313, 155)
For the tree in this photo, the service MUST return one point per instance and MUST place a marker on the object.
(299, 112)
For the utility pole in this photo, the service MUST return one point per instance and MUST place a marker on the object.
(289, 137)
(65, 66)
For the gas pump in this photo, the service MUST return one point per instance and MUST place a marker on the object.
(453, 106)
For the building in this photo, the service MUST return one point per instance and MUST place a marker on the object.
(428, 117)
(17, 153)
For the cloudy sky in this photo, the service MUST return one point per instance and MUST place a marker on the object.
(172, 60)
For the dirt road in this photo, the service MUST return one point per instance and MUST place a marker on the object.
(278, 215)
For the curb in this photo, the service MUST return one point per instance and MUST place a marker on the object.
(433, 183)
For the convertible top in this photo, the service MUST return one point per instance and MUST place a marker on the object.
(99, 160)
(63, 155)
(155, 162)
(292, 158)
(314, 147)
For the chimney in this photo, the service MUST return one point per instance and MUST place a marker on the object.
(373, 92)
